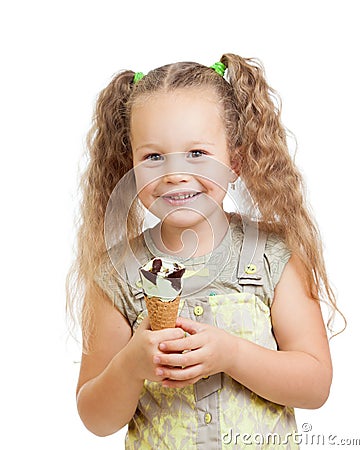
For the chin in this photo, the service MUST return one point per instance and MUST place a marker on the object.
(183, 218)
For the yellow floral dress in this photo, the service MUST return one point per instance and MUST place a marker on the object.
(231, 288)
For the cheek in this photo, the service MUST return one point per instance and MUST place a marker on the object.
(145, 194)
(216, 188)
(145, 179)
(145, 187)
(219, 175)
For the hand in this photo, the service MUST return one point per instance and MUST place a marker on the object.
(205, 352)
(144, 345)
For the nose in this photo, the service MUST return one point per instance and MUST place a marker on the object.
(176, 177)
(175, 170)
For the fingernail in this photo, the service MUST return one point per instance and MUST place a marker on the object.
(162, 346)
(156, 360)
(159, 372)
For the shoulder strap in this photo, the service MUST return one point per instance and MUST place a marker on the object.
(132, 265)
(251, 260)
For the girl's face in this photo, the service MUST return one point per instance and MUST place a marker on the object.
(180, 155)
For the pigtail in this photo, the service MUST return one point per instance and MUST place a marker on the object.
(270, 174)
(109, 158)
(265, 163)
(108, 138)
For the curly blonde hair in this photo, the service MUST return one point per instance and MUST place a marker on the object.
(256, 140)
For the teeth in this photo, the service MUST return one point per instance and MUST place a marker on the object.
(181, 196)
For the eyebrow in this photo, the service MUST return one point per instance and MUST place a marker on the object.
(154, 146)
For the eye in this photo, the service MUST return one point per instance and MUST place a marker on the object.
(196, 153)
(154, 157)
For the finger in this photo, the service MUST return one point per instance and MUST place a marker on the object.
(144, 324)
(169, 334)
(188, 343)
(188, 325)
(179, 374)
(179, 359)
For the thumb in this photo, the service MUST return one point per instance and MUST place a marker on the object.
(188, 325)
(144, 324)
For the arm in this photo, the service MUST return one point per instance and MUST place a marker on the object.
(112, 374)
(298, 375)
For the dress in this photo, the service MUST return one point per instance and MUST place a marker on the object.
(216, 412)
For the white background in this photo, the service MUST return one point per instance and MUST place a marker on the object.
(56, 56)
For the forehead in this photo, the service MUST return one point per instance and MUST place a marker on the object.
(188, 110)
(203, 92)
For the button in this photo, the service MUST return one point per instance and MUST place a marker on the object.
(250, 268)
(138, 284)
(198, 311)
(212, 293)
(208, 418)
(206, 378)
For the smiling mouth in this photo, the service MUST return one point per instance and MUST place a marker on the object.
(181, 197)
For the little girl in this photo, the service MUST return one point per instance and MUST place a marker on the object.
(249, 343)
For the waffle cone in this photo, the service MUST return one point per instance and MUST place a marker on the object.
(162, 314)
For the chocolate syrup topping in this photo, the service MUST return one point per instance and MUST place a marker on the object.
(157, 265)
(152, 277)
(173, 277)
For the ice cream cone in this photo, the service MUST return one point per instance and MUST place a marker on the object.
(161, 282)
(162, 314)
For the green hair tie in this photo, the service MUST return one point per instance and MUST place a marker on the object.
(137, 77)
(219, 68)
